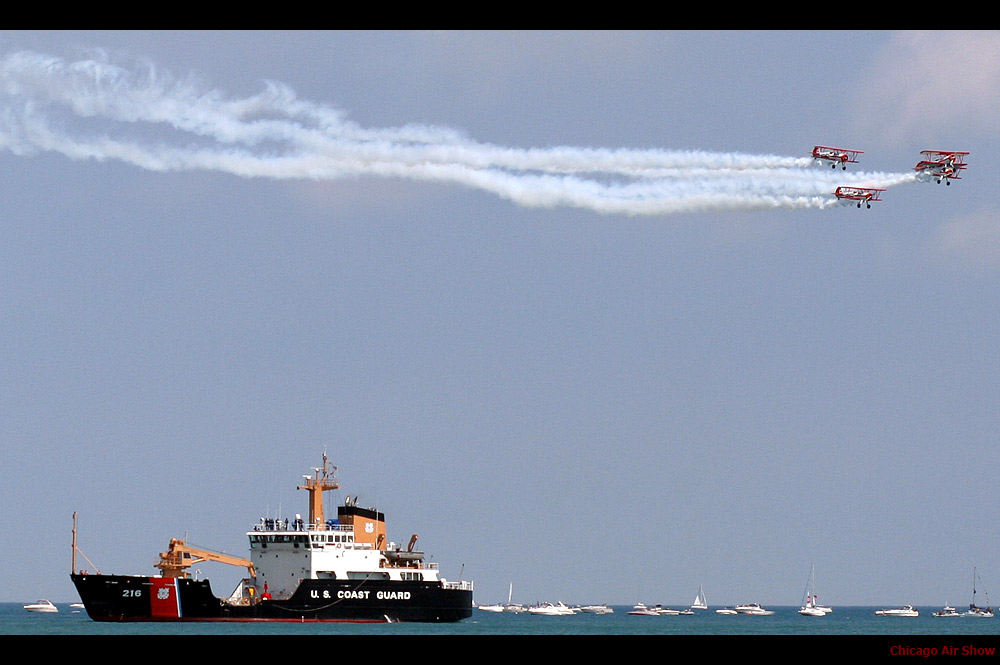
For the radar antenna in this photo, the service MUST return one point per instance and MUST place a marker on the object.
(324, 479)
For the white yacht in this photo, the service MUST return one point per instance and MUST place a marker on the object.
(753, 609)
(41, 606)
(597, 609)
(559, 609)
(492, 608)
(643, 611)
(947, 611)
(904, 611)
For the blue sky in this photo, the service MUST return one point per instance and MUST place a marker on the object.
(596, 404)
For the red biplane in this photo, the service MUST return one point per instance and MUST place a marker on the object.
(836, 156)
(941, 165)
(860, 194)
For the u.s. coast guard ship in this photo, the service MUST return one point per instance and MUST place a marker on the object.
(322, 569)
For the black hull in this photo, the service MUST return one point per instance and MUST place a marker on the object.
(138, 598)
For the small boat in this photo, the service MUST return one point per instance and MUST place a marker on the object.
(597, 609)
(753, 609)
(643, 611)
(810, 601)
(559, 609)
(700, 601)
(491, 608)
(904, 611)
(498, 607)
(975, 610)
(513, 608)
(41, 605)
(726, 610)
(947, 611)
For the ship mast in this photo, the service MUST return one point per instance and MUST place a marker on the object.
(77, 549)
(323, 480)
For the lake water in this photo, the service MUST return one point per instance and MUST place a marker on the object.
(786, 621)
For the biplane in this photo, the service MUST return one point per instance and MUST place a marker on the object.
(860, 194)
(836, 156)
(941, 165)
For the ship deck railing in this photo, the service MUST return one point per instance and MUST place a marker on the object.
(291, 526)
(463, 585)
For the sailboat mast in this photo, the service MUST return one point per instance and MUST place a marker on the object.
(973, 585)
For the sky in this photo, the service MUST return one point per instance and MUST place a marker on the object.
(574, 307)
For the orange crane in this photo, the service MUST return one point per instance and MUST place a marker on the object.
(179, 557)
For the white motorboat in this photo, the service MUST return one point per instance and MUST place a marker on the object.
(666, 611)
(947, 611)
(41, 605)
(597, 609)
(753, 609)
(491, 608)
(559, 609)
(904, 611)
(700, 601)
(810, 601)
(726, 610)
(643, 611)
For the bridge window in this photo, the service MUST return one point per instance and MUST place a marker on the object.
(367, 576)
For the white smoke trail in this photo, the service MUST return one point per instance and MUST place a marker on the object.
(276, 135)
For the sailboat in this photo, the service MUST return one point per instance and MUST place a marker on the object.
(975, 610)
(810, 605)
(700, 601)
(516, 608)
(497, 607)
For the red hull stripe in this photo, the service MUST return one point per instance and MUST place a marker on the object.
(164, 600)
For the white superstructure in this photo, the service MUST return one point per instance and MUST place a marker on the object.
(351, 547)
